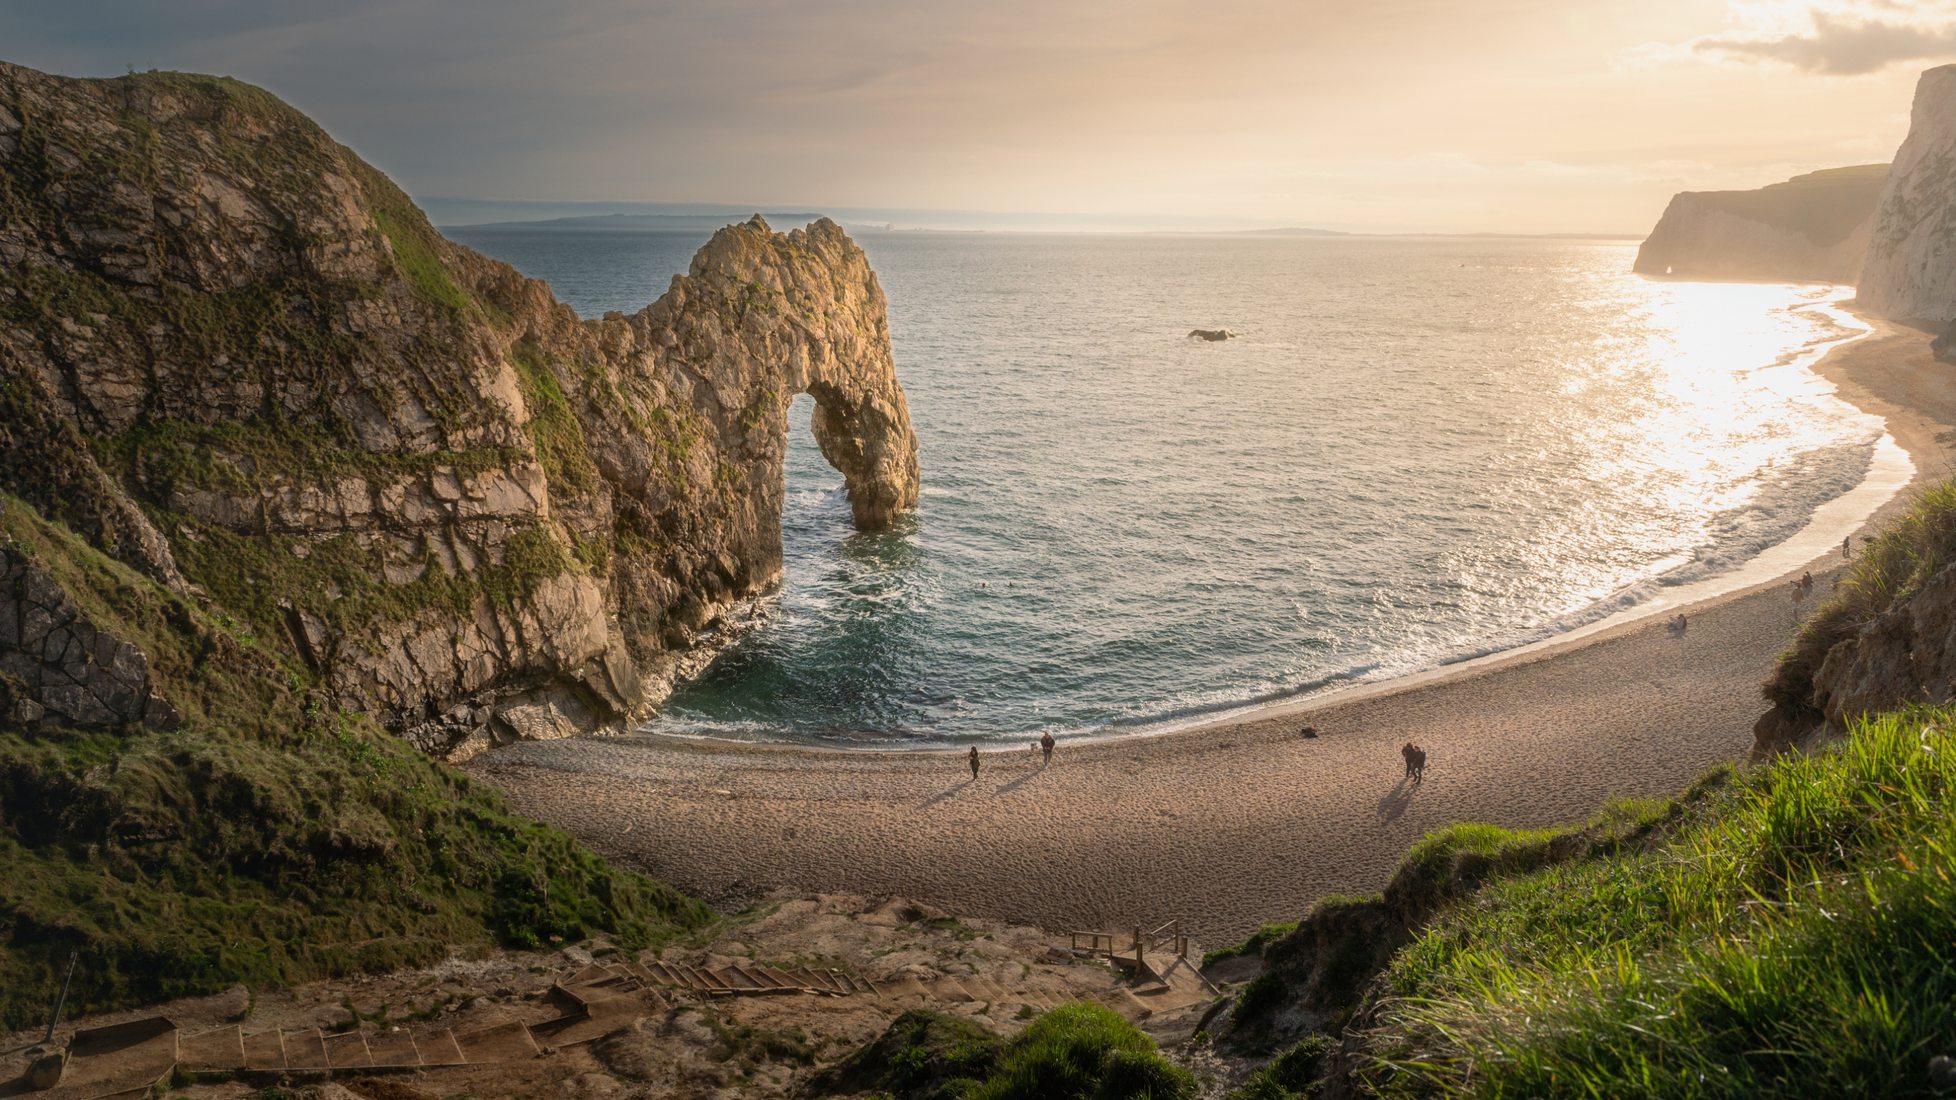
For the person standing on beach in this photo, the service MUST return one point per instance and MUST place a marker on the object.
(974, 763)
(1046, 745)
(1846, 550)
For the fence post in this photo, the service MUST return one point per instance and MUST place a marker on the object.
(61, 1001)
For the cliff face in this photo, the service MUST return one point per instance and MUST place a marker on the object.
(1811, 228)
(1884, 637)
(1910, 271)
(237, 358)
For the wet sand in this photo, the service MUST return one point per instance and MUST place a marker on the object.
(1235, 823)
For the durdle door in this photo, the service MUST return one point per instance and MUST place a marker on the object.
(238, 358)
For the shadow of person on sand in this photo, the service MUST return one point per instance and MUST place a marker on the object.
(1014, 785)
(946, 793)
(1396, 801)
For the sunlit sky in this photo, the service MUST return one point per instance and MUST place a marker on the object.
(1522, 116)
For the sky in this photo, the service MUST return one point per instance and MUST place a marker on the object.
(1511, 116)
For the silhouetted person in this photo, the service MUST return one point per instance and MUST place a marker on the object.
(974, 763)
(1417, 762)
(1046, 745)
(1846, 551)
(1806, 584)
(1407, 750)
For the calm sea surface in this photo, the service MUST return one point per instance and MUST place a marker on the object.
(1417, 451)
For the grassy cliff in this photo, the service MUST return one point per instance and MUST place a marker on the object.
(269, 838)
(1791, 929)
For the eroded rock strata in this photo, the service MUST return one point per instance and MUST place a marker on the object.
(236, 357)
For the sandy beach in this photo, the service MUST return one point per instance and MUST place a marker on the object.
(1233, 823)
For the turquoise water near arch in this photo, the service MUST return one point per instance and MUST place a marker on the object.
(1418, 450)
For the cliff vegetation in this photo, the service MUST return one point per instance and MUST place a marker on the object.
(262, 835)
(296, 494)
(1784, 931)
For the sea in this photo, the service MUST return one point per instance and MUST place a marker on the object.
(1415, 451)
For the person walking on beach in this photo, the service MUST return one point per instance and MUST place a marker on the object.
(974, 763)
(1846, 551)
(1046, 746)
(1417, 762)
(1407, 750)
(1806, 584)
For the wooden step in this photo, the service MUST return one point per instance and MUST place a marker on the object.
(264, 1051)
(437, 1047)
(641, 972)
(601, 1019)
(213, 1052)
(817, 980)
(950, 989)
(984, 989)
(304, 1049)
(730, 977)
(780, 979)
(751, 978)
(707, 981)
(590, 974)
(393, 1048)
(507, 1042)
(348, 1050)
(902, 986)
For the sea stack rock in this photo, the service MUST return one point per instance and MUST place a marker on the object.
(1811, 228)
(1910, 271)
(236, 357)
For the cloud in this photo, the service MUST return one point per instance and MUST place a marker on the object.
(1844, 43)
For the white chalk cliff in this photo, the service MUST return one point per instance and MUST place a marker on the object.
(1910, 270)
(1811, 228)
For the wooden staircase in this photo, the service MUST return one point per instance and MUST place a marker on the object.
(130, 1058)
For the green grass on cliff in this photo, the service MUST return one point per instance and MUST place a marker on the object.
(1793, 932)
(1890, 568)
(269, 840)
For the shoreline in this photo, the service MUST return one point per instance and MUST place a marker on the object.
(1892, 472)
(1229, 822)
